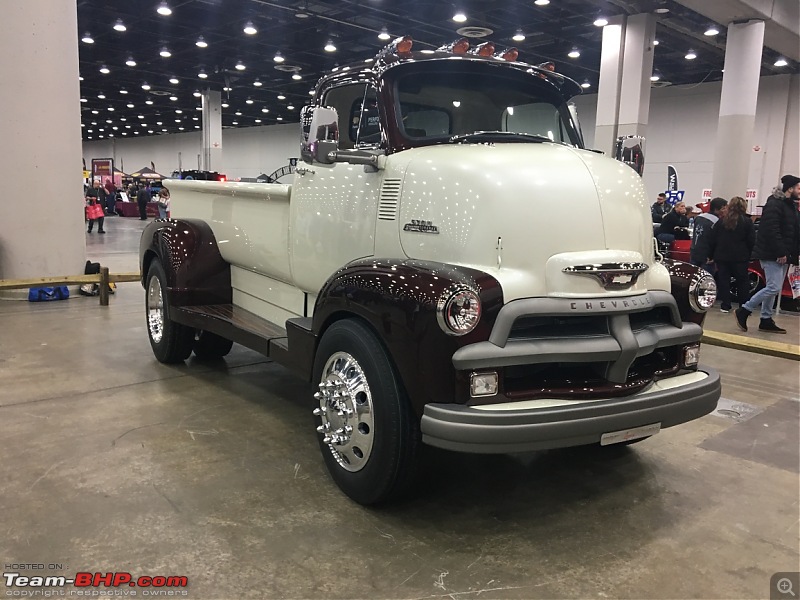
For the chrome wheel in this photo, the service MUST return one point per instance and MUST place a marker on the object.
(155, 310)
(345, 407)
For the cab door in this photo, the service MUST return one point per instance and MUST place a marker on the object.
(333, 207)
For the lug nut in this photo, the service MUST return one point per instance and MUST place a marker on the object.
(318, 411)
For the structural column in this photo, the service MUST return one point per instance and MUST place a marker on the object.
(737, 108)
(212, 130)
(637, 67)
(608, 89)
(41, 208)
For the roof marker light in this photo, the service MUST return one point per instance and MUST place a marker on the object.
(510, 55)
(485, 49)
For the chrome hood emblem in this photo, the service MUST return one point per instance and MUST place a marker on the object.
(612, 276)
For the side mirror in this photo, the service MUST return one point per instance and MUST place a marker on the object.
(630, 150)
(320, 133)
(573, 113)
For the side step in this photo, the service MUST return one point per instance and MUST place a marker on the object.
(237, 324)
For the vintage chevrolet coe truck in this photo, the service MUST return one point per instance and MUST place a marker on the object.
(450, 266)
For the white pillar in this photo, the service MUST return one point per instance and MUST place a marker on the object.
(212, 130)
(41, 209)
(608, 89)
(637, 67)
(737, 109)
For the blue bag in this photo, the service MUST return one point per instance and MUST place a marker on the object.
(45, 294)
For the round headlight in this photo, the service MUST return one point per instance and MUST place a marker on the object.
(702, 292)
(458, 311)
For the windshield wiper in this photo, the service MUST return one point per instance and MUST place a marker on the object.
(500, 136)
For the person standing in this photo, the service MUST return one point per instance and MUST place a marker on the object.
(110, 205)
(700, 252)
(163, 203)
(777, 246)
(730, 243)
(142, 198)
(659, 208)
(96, 195)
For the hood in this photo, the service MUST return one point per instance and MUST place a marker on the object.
(524, 213)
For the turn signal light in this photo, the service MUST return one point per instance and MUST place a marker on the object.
(510, 55)
(548, 66)
(485, 49)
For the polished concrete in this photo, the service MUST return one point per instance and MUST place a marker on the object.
(114, 462)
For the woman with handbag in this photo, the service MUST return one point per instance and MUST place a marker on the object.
(94, 206)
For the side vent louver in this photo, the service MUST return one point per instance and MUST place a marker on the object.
(390, 197)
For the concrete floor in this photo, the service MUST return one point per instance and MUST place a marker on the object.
(113, 462)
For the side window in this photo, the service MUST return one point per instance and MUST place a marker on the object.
(359, 119)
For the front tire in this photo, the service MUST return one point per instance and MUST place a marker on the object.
(171, 342)
(368, 434)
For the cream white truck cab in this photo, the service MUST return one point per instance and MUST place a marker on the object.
(450, 266)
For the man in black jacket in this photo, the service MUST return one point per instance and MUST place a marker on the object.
(142, 198)
(659, 208)
(777, 246)
(700, 251)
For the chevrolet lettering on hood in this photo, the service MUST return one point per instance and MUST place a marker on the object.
(610, 305)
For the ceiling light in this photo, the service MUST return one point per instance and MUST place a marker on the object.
(661, 11)
(519, 37)
(197, 126)
(95, 112)
(297, 77)
(711, 31)
(384, 35)
(541, 2)
(87, 38)
(165, 52)
(238, 113)
(278, 58)
(281, 97)
(145, 87)
(163, 9)
(459, 17)
(655, 42)
(225, 105)
(279, 119)
(248, 101)
(159, 123)
(257, 83)
(177, 120)
(197, 108)
(234, 122)
(178, 111)
(140, 117)
(586, 84)
(130, 105)
(227, 89)
(781, 62)
(196, 94)
(249, 29)
(574, 53)
(149, 131)
(201, 43)
(600, 22)
(84, 100)
(290, 107)
(240, 66)
(148, 102)
(202, 75)
(80, 78)
(265, 110)
(101, 96)
(690, 55)
(174, 80)
(311, 92)
(130, 62)
(329, 47)
(119, 25)
(655, 77)
(105, 70)
(173, 98)
(123, 91)
(258, 120)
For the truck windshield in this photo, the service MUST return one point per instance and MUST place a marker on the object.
(480, 103)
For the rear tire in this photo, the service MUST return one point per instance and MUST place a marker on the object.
(209, 346)
(368, 434)
(171, 342)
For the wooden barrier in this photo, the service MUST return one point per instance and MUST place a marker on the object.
(749, 344)
(102, 279)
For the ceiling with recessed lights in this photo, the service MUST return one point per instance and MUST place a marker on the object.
(144, 62)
